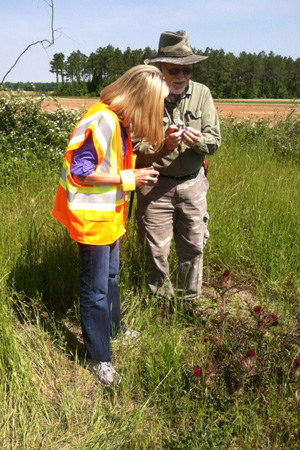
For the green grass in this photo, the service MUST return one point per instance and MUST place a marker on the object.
(49, 401)
(255, 197)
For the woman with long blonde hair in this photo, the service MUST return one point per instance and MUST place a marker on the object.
(92, 194)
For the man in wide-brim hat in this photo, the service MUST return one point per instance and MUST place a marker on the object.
(174, 48)
(176, 204)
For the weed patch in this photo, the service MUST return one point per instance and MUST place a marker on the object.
(220, 374)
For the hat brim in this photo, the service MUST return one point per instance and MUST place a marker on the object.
(192, 59)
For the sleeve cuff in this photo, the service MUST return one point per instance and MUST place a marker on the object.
(128, 180)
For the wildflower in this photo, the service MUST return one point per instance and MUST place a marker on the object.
(249, 361)
(223, 282)
(257, 309)
(271, 320)
(197, 371)
(297, 367)
(275, 320)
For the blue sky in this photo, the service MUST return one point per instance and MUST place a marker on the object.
(233, 25)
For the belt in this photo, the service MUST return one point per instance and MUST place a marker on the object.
(182, 177)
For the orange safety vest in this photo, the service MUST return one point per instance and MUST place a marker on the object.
(95, 214)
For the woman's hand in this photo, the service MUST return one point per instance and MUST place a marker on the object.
(145, 176)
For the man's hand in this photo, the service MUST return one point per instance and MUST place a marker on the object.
(145, 176)
(173, 137)
(190, 136)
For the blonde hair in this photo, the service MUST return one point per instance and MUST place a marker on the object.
(137, 97)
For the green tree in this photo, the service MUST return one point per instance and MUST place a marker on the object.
(148, 53)
(58, 66)
(247, 75)
(296, 93)
(76, 66)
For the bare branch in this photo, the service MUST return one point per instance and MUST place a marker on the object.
(42, 42)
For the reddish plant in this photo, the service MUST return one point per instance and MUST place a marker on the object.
(275, 320)
(271, 320)
(250, 353)
(257, 309)
(197, 371)
(297, 362)
(226, 273)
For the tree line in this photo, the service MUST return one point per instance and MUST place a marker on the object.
(28, 86)
(248, 75)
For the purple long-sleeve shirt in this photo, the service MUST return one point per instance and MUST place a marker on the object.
(85, 158)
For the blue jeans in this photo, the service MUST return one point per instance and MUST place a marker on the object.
(99, 298)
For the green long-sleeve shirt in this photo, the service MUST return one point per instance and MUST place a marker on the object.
(197, 110)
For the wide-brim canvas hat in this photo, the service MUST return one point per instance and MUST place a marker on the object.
(174, 48)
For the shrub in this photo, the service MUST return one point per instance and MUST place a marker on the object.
(31, 139)
(279, 136)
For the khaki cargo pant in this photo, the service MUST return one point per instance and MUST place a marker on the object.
(174, 208)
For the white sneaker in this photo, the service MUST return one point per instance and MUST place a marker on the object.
(127, 337)
(102, 371)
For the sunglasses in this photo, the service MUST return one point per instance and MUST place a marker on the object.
(177, 70)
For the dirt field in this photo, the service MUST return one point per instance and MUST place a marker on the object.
(238, 108)
(258, 109)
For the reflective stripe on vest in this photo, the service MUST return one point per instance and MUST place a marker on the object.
(103, 136)
(87, 197)
(95, 214)
(103, 127)
(90, 201)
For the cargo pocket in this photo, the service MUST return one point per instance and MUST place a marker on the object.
(206, 232)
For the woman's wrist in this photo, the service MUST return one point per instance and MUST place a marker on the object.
(127, 180)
